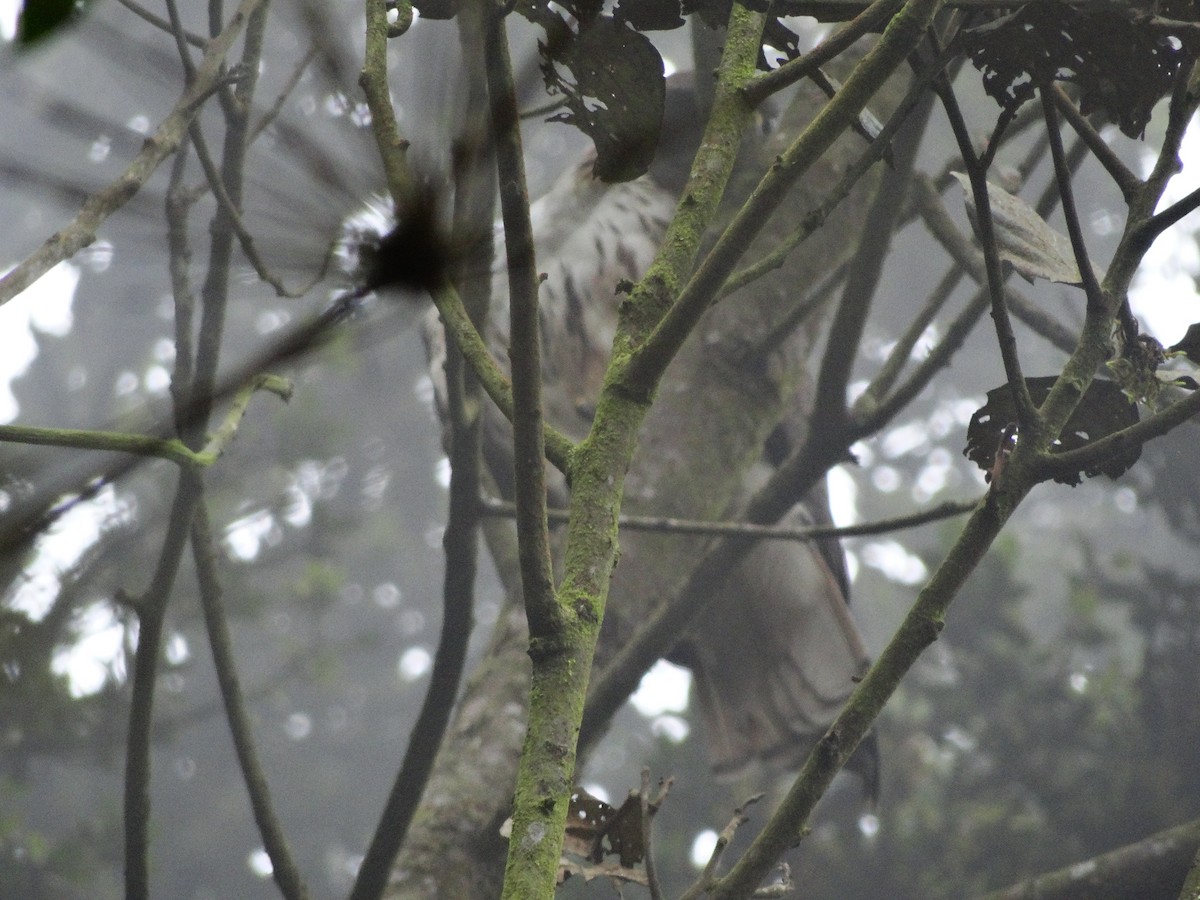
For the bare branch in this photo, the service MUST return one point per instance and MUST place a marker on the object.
(708, 877)
(1149, 868)
(1126, 181)
(81, 231)
(204, 554)
(1027, 414)
(1119, 442)
(670, 525)
(870, 19)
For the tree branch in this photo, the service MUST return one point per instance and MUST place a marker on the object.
(474, 202)
(151, 606)
(672, 525)
(1152, 867)
(1073, 461)
(216, 621)
(919, 629)
(870, 19)
(903, 34)
(1027, 414)
(81, 231)
(525, 349)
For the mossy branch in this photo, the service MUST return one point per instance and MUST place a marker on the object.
(170, 449)
(902, 35)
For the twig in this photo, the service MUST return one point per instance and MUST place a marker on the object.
(216, 621)
(1146, 868)
(870, 19)
(1127, 183)
(158, 22)
(235, 222)
(1027, 415)
(669, 525)
(265, 120)
(81, 231)
(224, 433)
(1119, 442)
(708, 877)
(650, 808)
(152, 607)
(1062, 174)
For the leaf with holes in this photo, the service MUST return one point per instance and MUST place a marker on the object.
(591, 821)
(612, 80)
(1103, 410)
(1121, 65)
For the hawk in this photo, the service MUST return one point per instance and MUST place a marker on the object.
(776, 653)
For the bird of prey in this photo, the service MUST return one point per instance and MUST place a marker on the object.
(775, 655)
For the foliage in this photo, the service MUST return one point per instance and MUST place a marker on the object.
(293, 543)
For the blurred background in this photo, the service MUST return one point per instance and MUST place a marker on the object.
(1056, 717)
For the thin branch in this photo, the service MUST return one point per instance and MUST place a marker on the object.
(1119, 442)
(708, 877)
(265, 120)
(870, 19)
(495, 383)
(525, 350)
(1127, 182)
(152, 607)
(171, 449)
(669, 525)
(885, 379)
(1160, 222)
(1140, 227)
(474, 202)
(216, 621)
(235, 222)
(649, 809)
(393, 149)
(81, 231)
(879, 146)
(214, 293)
(919, 629)
(875, 241)
(1066, 192)
(868, 417)
(1147, 868)
(224, 434)
(159, 22)
(1027, 414)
